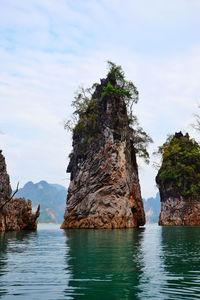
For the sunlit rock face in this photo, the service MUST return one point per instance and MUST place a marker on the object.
(104, 191)
(17, 213)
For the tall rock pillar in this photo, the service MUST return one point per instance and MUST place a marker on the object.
(104, 191)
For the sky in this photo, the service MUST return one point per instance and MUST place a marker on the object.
(49, 48)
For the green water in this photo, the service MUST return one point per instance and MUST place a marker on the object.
(146, 263)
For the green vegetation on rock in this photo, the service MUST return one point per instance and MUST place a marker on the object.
(85, 115)
(110, 90)
(86, 104)
(180, 165)
(118, 85)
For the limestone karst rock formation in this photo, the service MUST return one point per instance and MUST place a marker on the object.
(179, 181)
(104, 191)
(17, 213)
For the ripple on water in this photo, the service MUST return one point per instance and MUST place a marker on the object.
(146, 263)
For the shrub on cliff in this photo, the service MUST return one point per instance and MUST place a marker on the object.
(180, 165)
(86, 110)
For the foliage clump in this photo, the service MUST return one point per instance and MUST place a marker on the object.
(86, 109)
(180, 165)
(84, 121)
(118, 85)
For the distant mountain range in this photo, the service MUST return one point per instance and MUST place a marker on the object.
(152, 208)
(52, 200)
(51, 197)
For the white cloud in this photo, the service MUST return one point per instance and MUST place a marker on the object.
(48, 50)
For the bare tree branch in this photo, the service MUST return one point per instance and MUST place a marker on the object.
(196, 125)
(10, 198)
(37, 212)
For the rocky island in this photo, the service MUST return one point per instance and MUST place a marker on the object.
(178, 181)
(15, 214)
(104, 191)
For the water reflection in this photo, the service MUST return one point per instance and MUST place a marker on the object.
(181, 259)
(3, 262)
(11, 244)
(104, 264)
(33, 264)
(151, 263)
(154, 278)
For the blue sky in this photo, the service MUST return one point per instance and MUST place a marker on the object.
(48, 48)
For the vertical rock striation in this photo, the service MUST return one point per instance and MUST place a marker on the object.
(179, 182)
(104, 191)
(17, 213)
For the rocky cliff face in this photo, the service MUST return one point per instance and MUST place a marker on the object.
(104, 191)
(179, 182)
(178, 211)
(17, 213)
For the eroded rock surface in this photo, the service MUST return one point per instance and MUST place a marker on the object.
(17, 213)
(177, 211)
(104, 191)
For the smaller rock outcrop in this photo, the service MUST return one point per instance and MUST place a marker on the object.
(15, 214)
(179, 181)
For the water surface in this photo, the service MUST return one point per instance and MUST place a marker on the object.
(146, 263)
